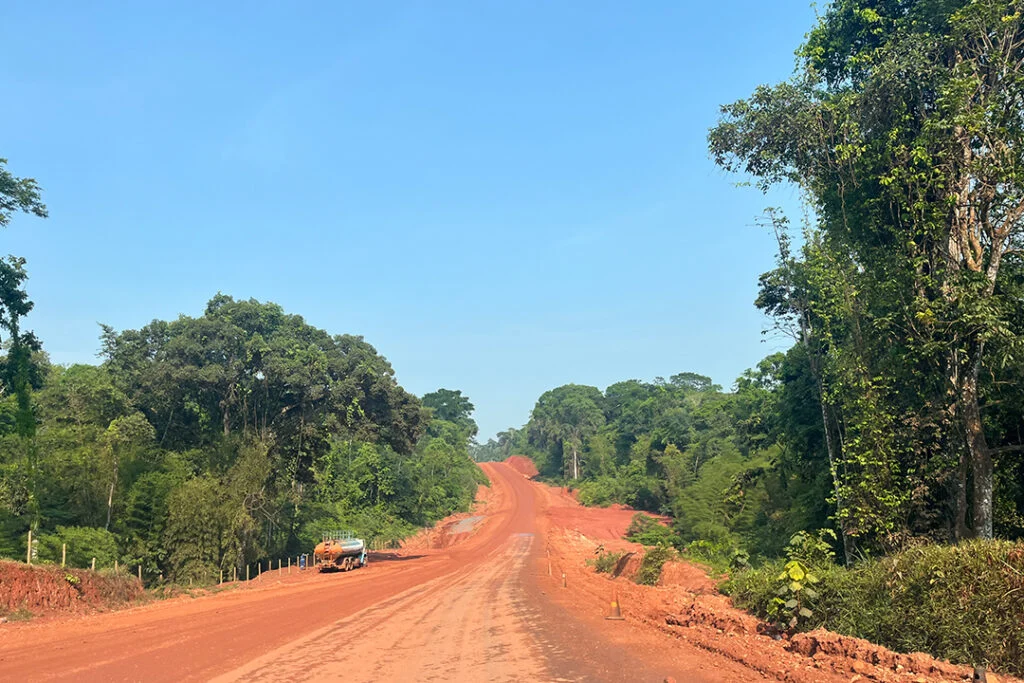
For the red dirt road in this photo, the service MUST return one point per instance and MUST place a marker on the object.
(474, 611)
(480, 607)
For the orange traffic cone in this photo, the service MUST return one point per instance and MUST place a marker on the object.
(616, 614)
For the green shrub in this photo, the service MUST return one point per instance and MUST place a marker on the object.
(814, 550)
(963, 603)
(650, 567)
(605, 562)
(794, 594)
(646, 530)
(83, 544)
(720, 557)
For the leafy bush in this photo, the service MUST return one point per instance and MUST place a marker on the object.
(646, 530)
(83, 544)
(605, 490)
(605, 562)
(650, 567)
(791, 605)
(814, 550)
(961, 603)
(720, 556)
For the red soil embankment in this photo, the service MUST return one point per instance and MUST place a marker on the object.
(522, 465)
(44, 589)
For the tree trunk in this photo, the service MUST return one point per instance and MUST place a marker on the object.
(110, 498)
(110, 505)
(978, 453)
(575, 464)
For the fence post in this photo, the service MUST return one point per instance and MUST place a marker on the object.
(115, 566)
(63, 554)
(234, 573)
(246, 572)
(28, 553)
(94, 564)
(222, 577)
(140, 572)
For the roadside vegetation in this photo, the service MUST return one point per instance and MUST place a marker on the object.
(204, 444)
(888, 438)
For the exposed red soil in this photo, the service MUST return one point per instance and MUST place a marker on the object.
(43, 589)
(522, 465)
(686, 576)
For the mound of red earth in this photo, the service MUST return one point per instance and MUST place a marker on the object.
(44, 589)
(522, 465)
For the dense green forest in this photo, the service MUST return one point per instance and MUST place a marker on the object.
(206, 443)
(897, 417)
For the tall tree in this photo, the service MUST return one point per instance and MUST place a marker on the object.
(19, 194)
(904, 128)
(450, 405)
(567, 416)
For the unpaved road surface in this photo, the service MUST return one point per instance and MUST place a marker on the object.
(478, 610)
(484, 599)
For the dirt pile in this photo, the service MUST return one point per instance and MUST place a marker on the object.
(687, 576)
(821, 643)
(45, 589)
(522, 465)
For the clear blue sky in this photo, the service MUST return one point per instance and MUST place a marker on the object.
(502, 197)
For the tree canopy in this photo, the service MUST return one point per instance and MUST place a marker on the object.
(903, 128)
(207, 443)
(451, 406)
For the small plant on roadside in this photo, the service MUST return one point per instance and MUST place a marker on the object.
(790, 606)
(720, 556)
(605, 562)
(650, 567)
(739, 559)
(72, 579)
(813, 550)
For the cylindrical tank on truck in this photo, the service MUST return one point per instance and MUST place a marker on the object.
(340, 554)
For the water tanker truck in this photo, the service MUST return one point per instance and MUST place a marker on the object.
(340, 551)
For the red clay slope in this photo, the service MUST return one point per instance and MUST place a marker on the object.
(43, 589)
(522, 465)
